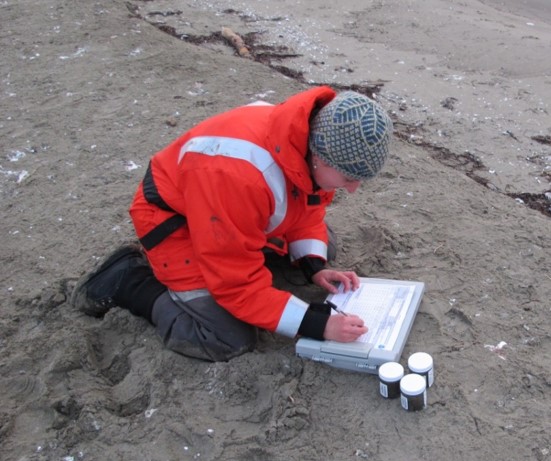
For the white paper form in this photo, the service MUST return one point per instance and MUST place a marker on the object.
(382, 307)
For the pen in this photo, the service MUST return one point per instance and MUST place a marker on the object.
(336, 309)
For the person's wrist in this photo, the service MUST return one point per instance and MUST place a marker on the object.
(314, 322)
(310, 266)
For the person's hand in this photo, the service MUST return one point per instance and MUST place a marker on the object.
(344, 328)
(326, 279)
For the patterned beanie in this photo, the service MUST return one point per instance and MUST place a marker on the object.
(351, 134)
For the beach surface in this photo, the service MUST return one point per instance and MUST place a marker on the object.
(90, 90)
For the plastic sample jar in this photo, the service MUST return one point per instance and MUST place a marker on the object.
(413, 392)
(390, 374)
(422, 364)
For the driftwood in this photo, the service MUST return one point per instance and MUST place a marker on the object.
(236, 41)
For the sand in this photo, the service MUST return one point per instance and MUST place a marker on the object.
(90, 90)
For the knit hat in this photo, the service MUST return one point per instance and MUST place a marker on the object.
(351, 134)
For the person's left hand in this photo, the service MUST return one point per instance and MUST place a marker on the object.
(326, 278)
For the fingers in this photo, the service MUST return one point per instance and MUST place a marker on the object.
(350, 280)
(330, 287)
(355, 281)
(327, 277)
(356, 324)
(354, 320)
(353, 328)
(344, 328)
(345, 281)
(352, 334)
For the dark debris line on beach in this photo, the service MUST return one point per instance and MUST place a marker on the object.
(272, 56)
(470, 164)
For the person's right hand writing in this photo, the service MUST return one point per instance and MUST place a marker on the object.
(344, 328)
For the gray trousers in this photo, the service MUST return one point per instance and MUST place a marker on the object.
(192, 323)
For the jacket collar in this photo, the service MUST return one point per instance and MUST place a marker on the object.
(289, 130)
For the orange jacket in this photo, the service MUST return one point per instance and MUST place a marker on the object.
(240, 178)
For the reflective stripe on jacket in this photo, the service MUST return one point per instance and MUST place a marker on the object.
(241, 180)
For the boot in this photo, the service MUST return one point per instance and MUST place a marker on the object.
(124, 279)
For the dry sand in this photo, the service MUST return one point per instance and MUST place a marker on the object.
(89, 90)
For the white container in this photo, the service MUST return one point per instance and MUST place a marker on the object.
(413, 392)
(390, 374)
(422, 364)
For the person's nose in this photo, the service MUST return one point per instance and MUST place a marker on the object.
(352, 187)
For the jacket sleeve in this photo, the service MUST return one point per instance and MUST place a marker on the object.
(227, 210)
(309, 236)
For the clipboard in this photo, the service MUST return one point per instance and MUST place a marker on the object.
(388, 308)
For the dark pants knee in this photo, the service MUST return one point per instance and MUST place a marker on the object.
(201, 328)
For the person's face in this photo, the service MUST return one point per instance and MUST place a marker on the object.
(328, 179)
